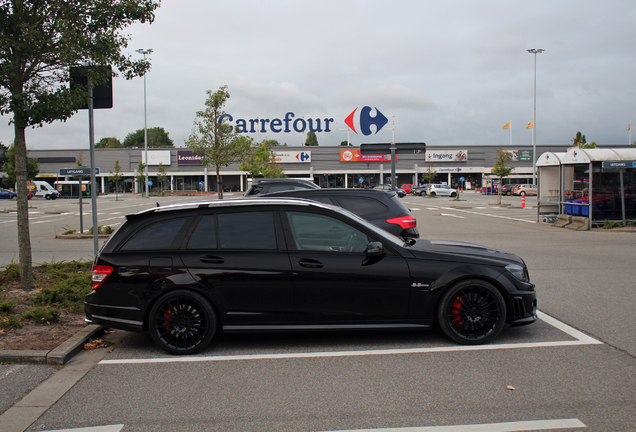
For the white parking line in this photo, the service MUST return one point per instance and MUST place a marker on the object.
(532, 425)
(581, 339)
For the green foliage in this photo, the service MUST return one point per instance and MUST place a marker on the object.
(610, 225)
(261, 161)
(219, 144)
(102, 229)
(116, 176)
(429, 176)
(157, 137)
(111, 142)
(161, 176)
(11, 272)
(9, 179)
(70, 284)
(68, 230)
(141, 177)
(501, 170)
(11, 321)
(6, 306)
(42, 315)
(108, 229)
(312, 139)
(579, 140)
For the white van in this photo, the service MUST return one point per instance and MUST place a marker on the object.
(41, 189)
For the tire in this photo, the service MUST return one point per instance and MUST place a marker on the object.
(433, 194)
(472, 312)
(48, 197)
(182, 322)
(423, 193)
(453, 194)
(508, 193)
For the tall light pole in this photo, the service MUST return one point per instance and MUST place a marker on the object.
(534, 118)
(145, 52)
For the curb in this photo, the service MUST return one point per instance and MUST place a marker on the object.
(57, 356)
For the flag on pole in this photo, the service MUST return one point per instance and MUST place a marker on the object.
(506, 126)
(529, 125)
(629, 125)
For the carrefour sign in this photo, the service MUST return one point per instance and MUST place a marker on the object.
(292, 157)
(292, 123)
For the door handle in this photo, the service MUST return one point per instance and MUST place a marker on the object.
(211, 259)
(309, 263)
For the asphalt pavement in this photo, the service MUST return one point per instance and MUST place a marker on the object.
(575, 369)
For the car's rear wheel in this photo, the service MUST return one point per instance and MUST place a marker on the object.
(508, 193)
(182, 322)
(472, 312)
(522, 193)
(48, 197)
(453, 194)
(422, 193)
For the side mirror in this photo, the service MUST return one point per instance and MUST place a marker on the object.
(375, 248)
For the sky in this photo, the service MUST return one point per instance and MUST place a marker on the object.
(442, 72)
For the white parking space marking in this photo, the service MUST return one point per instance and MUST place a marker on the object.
(109, 428)
(581, 339)
(46, 221)
(489, 215)
(453, 215)
(533, 425)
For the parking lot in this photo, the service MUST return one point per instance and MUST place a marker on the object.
(572, 370)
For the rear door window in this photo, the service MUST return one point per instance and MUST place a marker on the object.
(247, 230)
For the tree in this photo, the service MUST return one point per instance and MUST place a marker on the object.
(501, 170)
(260, 160)
(312, 139)
(111, 142)
(157, 137)
(32, 168)
(579, 140)
(272, 143)
(219, 144)
(116, 176)
(141, 177)
(39, 41)
(429, 176)
(161, 176)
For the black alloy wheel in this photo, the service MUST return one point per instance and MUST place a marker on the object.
(182, 322)
(472, 312)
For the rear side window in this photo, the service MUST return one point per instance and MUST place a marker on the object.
(159, 235)
(362, 206)
(247, 230)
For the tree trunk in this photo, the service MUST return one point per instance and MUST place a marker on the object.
(24, 238)
(219, 183)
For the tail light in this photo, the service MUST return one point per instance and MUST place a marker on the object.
(405, 222)
(100, 274)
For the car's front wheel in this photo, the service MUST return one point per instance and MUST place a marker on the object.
(453, 194)
(522, 193)
(433, 194)
(182, 322)
(472, 312)
(508, 193)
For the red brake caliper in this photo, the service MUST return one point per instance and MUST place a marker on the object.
(457, 320)
(167, 318)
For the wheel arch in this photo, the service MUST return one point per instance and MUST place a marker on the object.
(485, 274)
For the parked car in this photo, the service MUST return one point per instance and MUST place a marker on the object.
(421, 190)
(525, 189)
(407, 187)
(266, 185)
(7, 194)
(387, 187)
(507, 189)
(441, 190)
(380, 207)
(187, 271)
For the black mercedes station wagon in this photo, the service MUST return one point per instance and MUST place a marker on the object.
(184, 272)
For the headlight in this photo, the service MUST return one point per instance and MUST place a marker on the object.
(518, 272)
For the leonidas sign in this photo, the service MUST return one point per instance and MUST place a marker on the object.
(355, 156)
(187, 157)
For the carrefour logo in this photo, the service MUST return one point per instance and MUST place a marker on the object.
(292, 123)
(367, 120)
(303, 156)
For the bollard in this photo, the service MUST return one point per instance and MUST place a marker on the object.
(523, 201)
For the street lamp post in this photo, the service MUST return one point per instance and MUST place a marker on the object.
(534, 118)
(145, 52)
